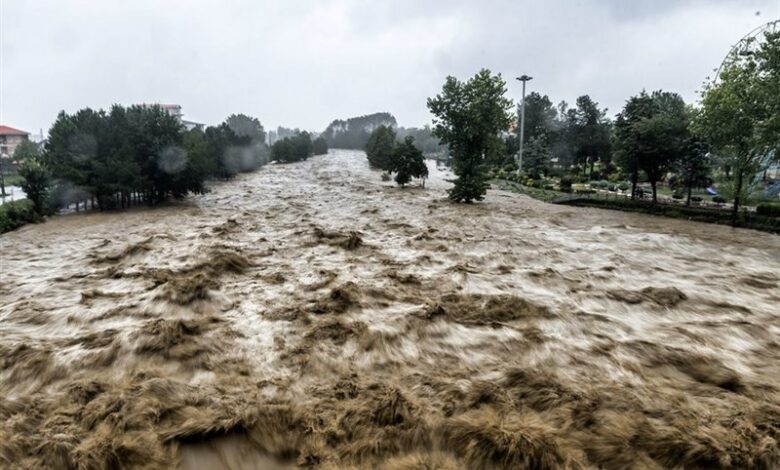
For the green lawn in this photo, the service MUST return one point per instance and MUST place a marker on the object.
(545, 195)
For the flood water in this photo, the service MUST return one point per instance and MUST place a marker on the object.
(312, 315)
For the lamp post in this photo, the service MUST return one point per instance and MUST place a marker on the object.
(523, 78)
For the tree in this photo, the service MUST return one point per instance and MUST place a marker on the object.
(354, 133)
(588, 132)
(739, 115)
(536, 156)
(664, 134)
(320, 146)
(246, 126)
(292, 149)
(468, 117)
(26, 150)
(650, 136)
(408, 162)
(37, 181)
(693, 165)
(380, 148)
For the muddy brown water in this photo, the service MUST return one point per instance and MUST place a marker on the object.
(310, 315)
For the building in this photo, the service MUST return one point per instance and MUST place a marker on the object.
(10, 138)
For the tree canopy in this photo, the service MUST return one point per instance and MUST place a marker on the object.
(380, 147)
(408, 162)
(468, 117)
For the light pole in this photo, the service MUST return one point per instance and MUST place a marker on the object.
(523, 79)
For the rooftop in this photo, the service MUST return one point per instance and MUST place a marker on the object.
(7, 130)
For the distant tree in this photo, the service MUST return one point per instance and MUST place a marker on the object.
(26, 150)
(380, 147)
(693, 165)
(246, 126)
(292, 149)
(536, 156)
(320, 146)
(629, 142)
(354, 133)
(588, 132)
(408, 162)
(37, 181)
(468, 118)
(423, 138)
(540, 116)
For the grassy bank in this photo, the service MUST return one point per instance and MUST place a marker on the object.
(762, 222)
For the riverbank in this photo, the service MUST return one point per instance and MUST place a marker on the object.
(615, 201)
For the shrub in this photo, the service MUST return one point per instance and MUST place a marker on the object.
(603, 184)
(696, 199)
(718, 199)
(385, 176)
(771, 209)
(549, 187)
(623, 186)
(14, 214)
(594, 184)
(612, 188)
(566, 182)
(678, 196)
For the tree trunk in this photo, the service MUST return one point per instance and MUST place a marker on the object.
(634, 178)
(737, 193)
(655, 192)
(592, 164)
(688, 202)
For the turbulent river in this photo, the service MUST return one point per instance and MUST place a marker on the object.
(312, 315)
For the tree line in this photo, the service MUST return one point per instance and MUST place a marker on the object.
(136, 155)
(656, 137)
(297, 147)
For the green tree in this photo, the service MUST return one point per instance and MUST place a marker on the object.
(536, 156)
(588, 132)
(246, 126)
(693, 165)
(408, 162)
(320, 146)
(739, 115)
(468, 117)
(380, 148)
(37, 181)
(26, 150)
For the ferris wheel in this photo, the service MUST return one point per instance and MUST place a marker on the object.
(747, 44)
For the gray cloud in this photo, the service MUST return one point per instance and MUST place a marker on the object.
(301, 63)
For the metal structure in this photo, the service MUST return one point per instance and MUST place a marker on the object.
(524, 79)
(748, 43)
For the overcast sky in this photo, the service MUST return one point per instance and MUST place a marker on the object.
(304, 63)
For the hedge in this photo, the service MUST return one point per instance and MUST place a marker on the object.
(14, 214)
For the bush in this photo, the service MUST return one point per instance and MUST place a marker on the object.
(718, 199)
(612, 188)
(696, 199)
(14, 214)
(385, 176)
(771, 209)
(603, 184)
(566, 182)
(594, 184)
(678, 196)
(549, 187)
(623, 186)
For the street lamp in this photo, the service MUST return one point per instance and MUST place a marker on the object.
(523, 79)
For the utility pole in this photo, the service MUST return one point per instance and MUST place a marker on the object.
(524, 78)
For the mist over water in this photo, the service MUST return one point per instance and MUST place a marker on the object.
(311, 315)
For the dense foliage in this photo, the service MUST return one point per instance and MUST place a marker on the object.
(380, 148)
(469, 117)
(139, 154)
(320, 146)
(408, 162)
(353, 133)
(293, 149)
(14, 214)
